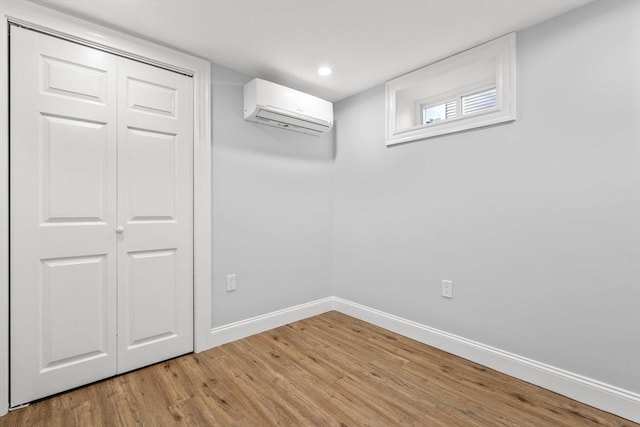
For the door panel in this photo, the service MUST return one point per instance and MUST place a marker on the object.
(72, 190)
(74, 80)
(155, 211)
(152, 319)
(152, 193)
(63, 215)
(65, 340)
(146, 96)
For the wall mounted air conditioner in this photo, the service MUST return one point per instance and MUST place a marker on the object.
(275, 105)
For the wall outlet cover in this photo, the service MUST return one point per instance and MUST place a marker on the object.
(447, 288)
(231, 282)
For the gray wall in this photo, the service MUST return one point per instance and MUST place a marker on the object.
(536, 222)
(271, 210)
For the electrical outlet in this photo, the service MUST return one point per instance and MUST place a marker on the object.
(231, 282)
(447, 288)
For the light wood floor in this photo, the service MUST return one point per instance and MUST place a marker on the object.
(329, 370)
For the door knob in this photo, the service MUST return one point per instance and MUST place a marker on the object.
(119, 229)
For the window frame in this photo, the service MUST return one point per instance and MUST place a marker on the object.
(453, 96)
(501, 50)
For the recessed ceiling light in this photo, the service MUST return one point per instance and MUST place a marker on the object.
(324, 71)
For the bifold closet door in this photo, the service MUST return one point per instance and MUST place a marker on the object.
(155, 214)
(63, 249)
(100, 213)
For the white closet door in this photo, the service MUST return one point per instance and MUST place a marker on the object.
(63, 215)
(101, 206)
(155, 214)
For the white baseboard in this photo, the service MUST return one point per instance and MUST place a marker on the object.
(255, 325)
(603, 396)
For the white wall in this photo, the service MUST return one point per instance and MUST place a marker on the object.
(271, 210)
(536, 222)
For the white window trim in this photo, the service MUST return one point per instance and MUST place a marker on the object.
(104, 38)
(503, 49)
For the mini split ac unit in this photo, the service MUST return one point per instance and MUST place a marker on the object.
(275, 105)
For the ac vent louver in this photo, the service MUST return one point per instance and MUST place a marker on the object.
(286, 121)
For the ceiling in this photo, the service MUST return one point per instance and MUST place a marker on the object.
(366, 42)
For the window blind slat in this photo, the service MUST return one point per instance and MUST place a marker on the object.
(450, 109)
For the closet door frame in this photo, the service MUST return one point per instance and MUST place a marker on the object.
(67, 27)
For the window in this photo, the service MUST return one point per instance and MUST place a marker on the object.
(476, 101)
(472, 89)
(435, 113)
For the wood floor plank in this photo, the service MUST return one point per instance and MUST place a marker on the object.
(329, 370)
